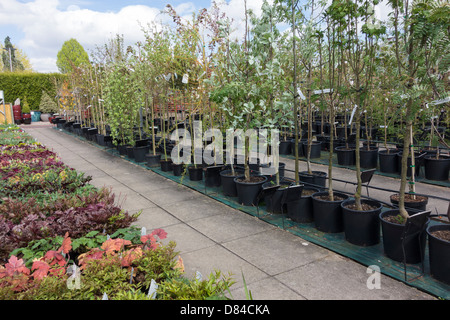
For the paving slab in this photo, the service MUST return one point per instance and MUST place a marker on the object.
(276, 264)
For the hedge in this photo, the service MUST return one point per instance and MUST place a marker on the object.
(18, 85)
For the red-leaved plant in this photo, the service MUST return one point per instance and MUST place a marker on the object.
(55, 262)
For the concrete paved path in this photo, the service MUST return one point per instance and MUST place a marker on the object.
(276, 264)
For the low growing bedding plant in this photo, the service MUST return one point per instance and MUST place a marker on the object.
(43, 201)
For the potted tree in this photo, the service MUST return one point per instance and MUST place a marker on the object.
(415, 84)
(26, 112)
(47, 106)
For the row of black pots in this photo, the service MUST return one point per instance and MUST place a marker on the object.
(390, 162)
(361, 228)
(288, 147)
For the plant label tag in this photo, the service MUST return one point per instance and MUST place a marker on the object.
(143, 231)
(105, 296)
(300, 93)
(185, 78)
(152, 289)
(198, 276)
(435, 102)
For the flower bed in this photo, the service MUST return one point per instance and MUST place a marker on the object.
(52, 220)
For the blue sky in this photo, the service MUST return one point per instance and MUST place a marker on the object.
(40, 27)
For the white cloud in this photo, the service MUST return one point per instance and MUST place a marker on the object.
(46, 27)
(46, 24)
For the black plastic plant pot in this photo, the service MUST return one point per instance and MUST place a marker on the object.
(247, 192)
(388, 161)
(300, 147)
(418, 160)
(316, 178)
(212, 177)
(153, 160)
(362, 228)
(140, 153)
(178, 169)
(316, 148)
(301, 210)
(368, 157)
(345, 156)
(285, 147)
(141, 143)
(437, 169)
(392, 233)
(130, 152)
(100, 139)
(195, 173)
(92, 133)
(166, 165)
(273, 202)
(122, 148)
(439, 253)
(228, 184)
(273, 177)
(328, 214)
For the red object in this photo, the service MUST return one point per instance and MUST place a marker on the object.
(17, 111)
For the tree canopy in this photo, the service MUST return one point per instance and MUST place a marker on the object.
(71, 55)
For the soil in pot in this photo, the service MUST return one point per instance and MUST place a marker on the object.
(411, 201)
(439, 252)
(437, 168)
(392, 230)
(248, 190)
(328, 214)
(362, 228)
(301, 210)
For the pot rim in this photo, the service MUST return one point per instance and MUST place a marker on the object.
(326, 193)
(367, 201)
(430, 227)
(250, 183)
